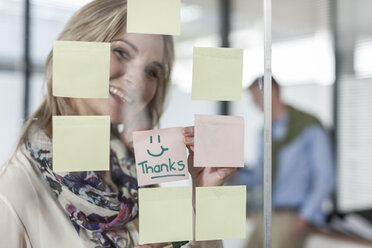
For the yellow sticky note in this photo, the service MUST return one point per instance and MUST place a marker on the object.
(217, 74)
(81, 143)
(165, 214)
(220, 212)
(81, 69)
(154, 16)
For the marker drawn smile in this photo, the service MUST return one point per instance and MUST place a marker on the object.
(157, 155)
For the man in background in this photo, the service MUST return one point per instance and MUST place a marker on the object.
(302, 172)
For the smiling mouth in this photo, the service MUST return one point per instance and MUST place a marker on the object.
(120, 95)
(157, 155)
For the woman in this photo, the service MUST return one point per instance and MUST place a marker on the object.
(39, 208)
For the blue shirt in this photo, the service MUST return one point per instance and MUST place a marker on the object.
(305, 175)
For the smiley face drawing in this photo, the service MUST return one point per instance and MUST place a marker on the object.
(163, 149)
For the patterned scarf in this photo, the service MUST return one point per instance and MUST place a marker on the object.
(100, 205)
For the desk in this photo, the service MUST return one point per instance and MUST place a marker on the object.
(319, 239)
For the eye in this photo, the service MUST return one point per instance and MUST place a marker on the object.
(122, 53)
(152, 73)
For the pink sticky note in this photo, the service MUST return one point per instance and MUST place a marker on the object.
(160, 156)
(219, 141)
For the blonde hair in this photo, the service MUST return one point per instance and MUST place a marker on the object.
(99, 21)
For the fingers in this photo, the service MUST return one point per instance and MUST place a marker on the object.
(188, 131)
(225, 172)
(189, 141)
(191, 148)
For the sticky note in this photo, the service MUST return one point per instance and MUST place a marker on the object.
(217, 74)
(219, 141)
(81, 69)
(81, 143)
(220, 212)
(160, 156)
(165, 214)
(154, 16)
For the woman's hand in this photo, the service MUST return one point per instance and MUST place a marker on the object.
(204, 176)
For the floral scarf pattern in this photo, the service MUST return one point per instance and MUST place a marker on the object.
(101, 205)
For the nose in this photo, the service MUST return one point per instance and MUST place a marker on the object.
(134, 77)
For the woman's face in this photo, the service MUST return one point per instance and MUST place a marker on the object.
(135, 68)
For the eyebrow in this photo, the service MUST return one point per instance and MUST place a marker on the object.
(129, 44)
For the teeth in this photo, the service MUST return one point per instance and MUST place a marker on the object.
(118, 93)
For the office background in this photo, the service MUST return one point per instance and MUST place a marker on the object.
(322, 56)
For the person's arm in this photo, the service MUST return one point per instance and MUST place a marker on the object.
(12, 233)
(323, 177)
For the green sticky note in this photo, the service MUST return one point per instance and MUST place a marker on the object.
(217, 74)
(81, 69)
(81, 143)
(165, 214)
(220, 212)
(154, 16)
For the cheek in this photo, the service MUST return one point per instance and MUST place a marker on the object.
(115, 66)
(150, 91)
(98, 106)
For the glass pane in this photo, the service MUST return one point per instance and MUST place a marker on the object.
(312, 116)
(11, 78)
(37, 91)
(248, 33)
(199, 27)
(11, 27)
(11, 102)
(47, 20)
(354, 116)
